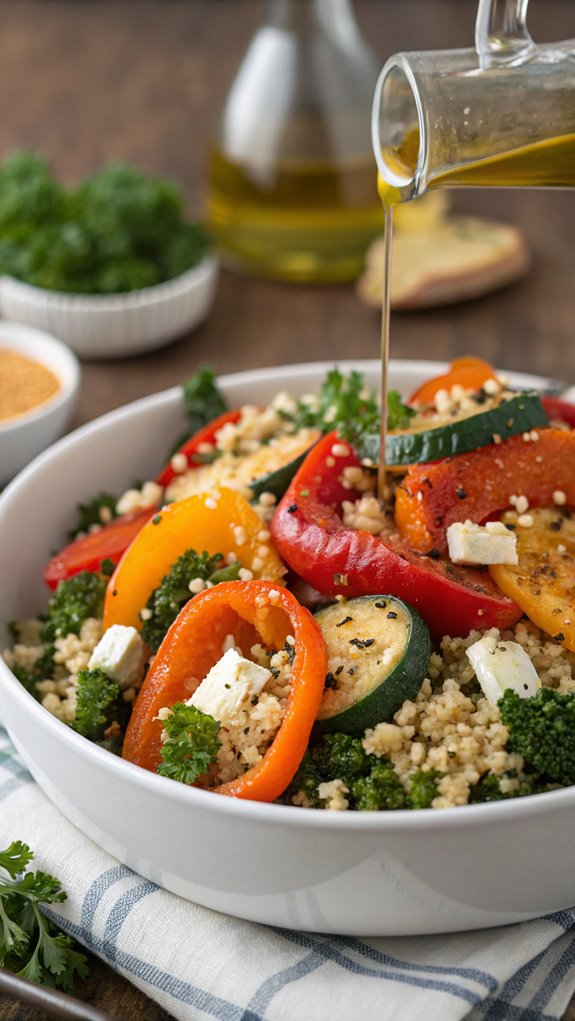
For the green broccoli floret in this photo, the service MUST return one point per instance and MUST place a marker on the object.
(372, 782)
(380, 791)
(489, 787)
(98, 511)
(173, 592)
(98, 704)
(542, 731)
(423, 788)
(192, 743)
(339, 756)
(306, 780)
(74, 601)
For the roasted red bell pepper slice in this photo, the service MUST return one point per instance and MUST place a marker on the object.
(469, 372)
(477, 485)
(191, 447)
(555, 408)
(251, 611)
(308, 532)
(87, 553)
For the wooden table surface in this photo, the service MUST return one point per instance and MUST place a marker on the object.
(142, 80)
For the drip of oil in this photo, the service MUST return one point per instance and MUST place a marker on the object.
(546, 164)
(301, 221)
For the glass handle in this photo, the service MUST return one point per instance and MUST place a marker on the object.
(501, 34)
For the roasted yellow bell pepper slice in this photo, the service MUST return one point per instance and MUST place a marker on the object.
(218, 521)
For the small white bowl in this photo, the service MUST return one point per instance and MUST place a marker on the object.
(26, 435)
(99, 326)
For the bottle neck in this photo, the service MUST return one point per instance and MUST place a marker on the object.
(334, 17)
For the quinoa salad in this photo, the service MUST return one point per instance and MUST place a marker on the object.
(255, 621)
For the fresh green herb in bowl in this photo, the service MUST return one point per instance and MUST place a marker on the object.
(111, 265)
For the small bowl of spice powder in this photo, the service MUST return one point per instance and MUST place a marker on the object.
(39, 380)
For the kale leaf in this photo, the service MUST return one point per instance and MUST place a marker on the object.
(173, 592)
(99, 703)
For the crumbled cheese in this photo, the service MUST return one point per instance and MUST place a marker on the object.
(469, 543)
(229, 686)
(501, 665)
(121, 654)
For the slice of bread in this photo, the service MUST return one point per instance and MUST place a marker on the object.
(460, 257)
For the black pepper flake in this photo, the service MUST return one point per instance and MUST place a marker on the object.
(254, 700)
(339, 670)
(559, 637)
(292, 508)
(274, 671)
(433, 554)
(351, 671)
(461, 493)
(345, 620)
(156, 519)
(330, 681)
(290, 649)
(246, 730)
(555, 526)
(381, 605)
(363, 643)
(227, 686)
(392, 615)
(115, 592)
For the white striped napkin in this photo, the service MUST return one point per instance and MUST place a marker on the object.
(201, 965)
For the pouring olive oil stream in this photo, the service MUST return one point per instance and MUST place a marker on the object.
(501, 115)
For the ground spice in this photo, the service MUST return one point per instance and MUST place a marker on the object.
(24, 384)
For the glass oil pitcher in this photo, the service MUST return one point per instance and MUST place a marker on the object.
(501, 115)
(291, 189)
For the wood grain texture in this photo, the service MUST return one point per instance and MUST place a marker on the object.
(86, 81)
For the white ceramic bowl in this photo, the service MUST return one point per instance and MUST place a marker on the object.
(354, 873)
(116, 325)
(26, 435)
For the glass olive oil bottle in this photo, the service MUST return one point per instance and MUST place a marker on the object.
(292, 191)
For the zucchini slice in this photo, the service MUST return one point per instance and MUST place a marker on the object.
(378, 654)
(431, 438)
(277, 481)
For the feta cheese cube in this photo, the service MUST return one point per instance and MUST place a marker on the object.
(469, 543)
(229, 687)
(121, 653)
(501, 665)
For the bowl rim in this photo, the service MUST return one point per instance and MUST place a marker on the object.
(180, 284)
(40, 346)
(381, 823)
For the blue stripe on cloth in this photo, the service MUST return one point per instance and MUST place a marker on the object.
(119, 914)
(275, 983)
(556, 975)
(94, 895)
(332, 954)
(20, 779)
(473, 974)
(502, 1010)
(177, 988)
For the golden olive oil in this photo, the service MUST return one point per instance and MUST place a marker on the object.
(295, 221)
(546, 164)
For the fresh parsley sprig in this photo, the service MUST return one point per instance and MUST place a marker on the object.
(30, 944)
(191, 745)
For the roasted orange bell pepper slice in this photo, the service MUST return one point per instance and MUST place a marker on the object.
(251, 611)
(477, 485)
(218, 521)
(470, 373)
